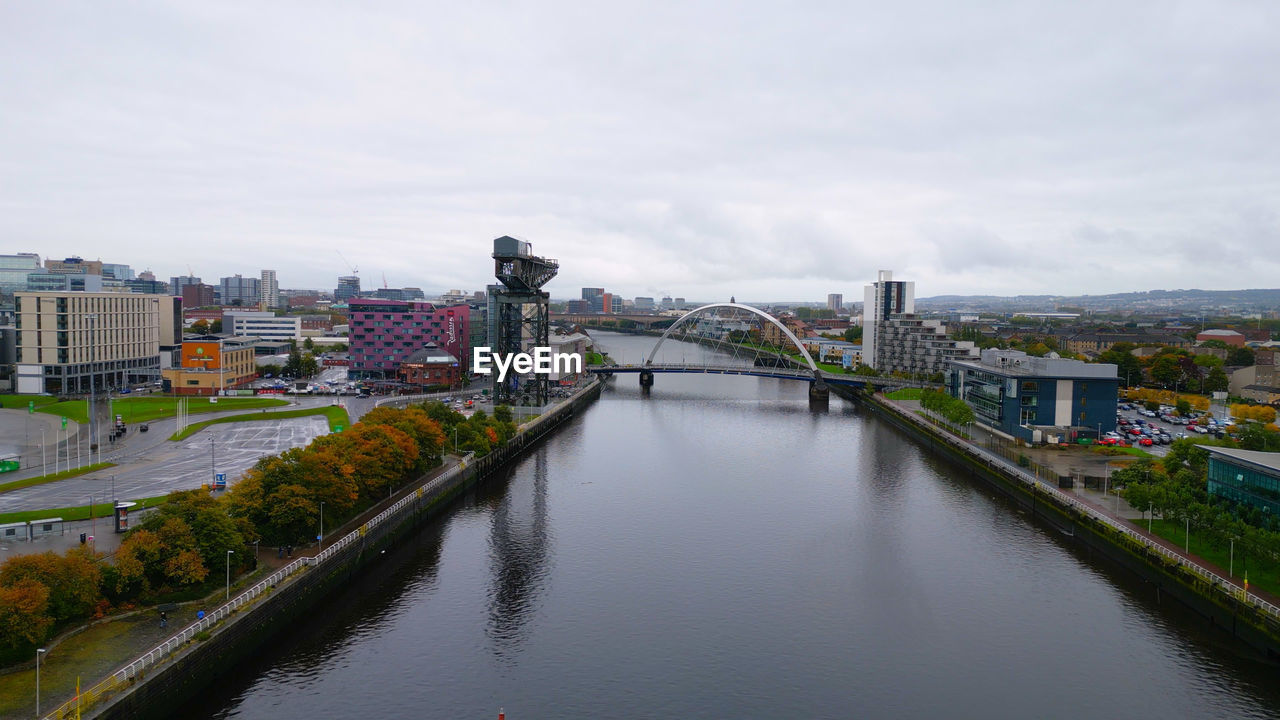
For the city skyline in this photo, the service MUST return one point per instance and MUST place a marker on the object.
(975, 153)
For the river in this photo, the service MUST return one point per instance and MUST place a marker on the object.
(718, 550)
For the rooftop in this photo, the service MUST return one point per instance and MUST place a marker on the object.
(1268, 460)
(1016, 362)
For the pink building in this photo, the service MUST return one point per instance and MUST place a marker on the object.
(385, 332)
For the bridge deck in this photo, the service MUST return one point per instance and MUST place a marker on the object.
(803, 374)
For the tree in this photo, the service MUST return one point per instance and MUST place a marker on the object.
(804, 312)
(1215, 344)
(216, 326)
(1166, 369)
(200, 327)
(1183, 407)
(853, 334)
(309, 344)
(24, 615)
(72, 580)
(1241, 356)
(1217, 380)
(307, 366)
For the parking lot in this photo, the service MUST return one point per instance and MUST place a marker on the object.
(231, 448)
(1133, 414)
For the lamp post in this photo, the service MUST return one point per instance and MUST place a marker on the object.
(1231, 567)
(93, 417)
(1151, 513)
(320, 536)
(39, 652)
(229, 554)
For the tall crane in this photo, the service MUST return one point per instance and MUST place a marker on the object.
(354, 270)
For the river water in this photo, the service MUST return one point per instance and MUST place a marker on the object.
(717, 550)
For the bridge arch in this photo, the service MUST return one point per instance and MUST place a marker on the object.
(736, 306)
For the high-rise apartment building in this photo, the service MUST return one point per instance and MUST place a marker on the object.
(269, 291)
(67, 341)
(177, 282)
(835, 303)
(198, 295)
(883, 298)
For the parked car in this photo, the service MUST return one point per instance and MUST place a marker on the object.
(1146, 442)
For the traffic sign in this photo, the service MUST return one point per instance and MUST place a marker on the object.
(220, 481)
(64, 423)
(31, 406)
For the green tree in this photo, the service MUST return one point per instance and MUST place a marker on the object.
(1215, 344)
(200, 327)
(1183, 407)
(853, 334)
(1217, 380)
(1241, 356)
(216, 326)
(1166, 369)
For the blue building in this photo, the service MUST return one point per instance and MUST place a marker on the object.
(1249, 477)
(1048, 399)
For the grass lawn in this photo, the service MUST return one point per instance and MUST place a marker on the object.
(19, 402)
(152, 407)
(1267, 579)
(74, 410)
(905, 394)
(51, 477)
(337, 416)
(102, 509)
(1113, 450)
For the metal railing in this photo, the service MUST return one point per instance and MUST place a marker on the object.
(136, 669)
(1040, 487)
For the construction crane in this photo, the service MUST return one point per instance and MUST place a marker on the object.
(354, 270)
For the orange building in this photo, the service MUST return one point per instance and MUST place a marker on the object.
(213, 364)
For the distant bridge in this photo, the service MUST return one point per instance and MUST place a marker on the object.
(757, 344)
(605, 320)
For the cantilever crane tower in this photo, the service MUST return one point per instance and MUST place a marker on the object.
(524, 312)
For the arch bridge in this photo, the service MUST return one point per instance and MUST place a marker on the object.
(741, 340)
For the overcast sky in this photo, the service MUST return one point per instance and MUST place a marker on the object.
(772, 151)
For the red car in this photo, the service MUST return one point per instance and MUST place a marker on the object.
(1145, 442)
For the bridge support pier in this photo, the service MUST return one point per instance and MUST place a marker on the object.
(819, 395)
(646, 378)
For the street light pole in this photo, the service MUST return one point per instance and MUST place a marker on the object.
(1231, 568)
(229, 554)
(320, 536)
(39, 652)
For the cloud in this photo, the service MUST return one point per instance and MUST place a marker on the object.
(701, 148)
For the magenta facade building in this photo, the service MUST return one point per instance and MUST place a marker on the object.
(385, 332)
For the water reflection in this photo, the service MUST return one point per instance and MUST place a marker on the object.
(519, 547)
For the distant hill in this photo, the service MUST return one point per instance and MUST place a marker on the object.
(1150, 300)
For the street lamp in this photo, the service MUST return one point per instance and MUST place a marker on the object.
(1231, 568)
(39, 652)
(229, 554)
(93, 419)
(320, 536)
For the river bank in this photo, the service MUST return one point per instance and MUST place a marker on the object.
(1247, 618)
(189, 661)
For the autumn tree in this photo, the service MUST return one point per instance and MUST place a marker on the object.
(25, 619)
(72, 580)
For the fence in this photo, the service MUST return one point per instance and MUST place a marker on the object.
(135, 670)
(1016, 465)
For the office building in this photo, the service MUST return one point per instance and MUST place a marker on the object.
(239, 291)
(678, 303)
(384, 332)
(578, 307)
(147, 287)
(835, 303)
(644, 304)
(268, 291)
(261, 324)
(616, 305)
(1248, 477)
(1037, 399)
(68, 340)
(209, 365)
(45, 281)
(74, 266)
(348, 287)
(178, 282)
(14, 270)
(882, 299)
(120, 272)
(595, 299)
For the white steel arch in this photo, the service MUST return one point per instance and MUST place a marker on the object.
(738, 306)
